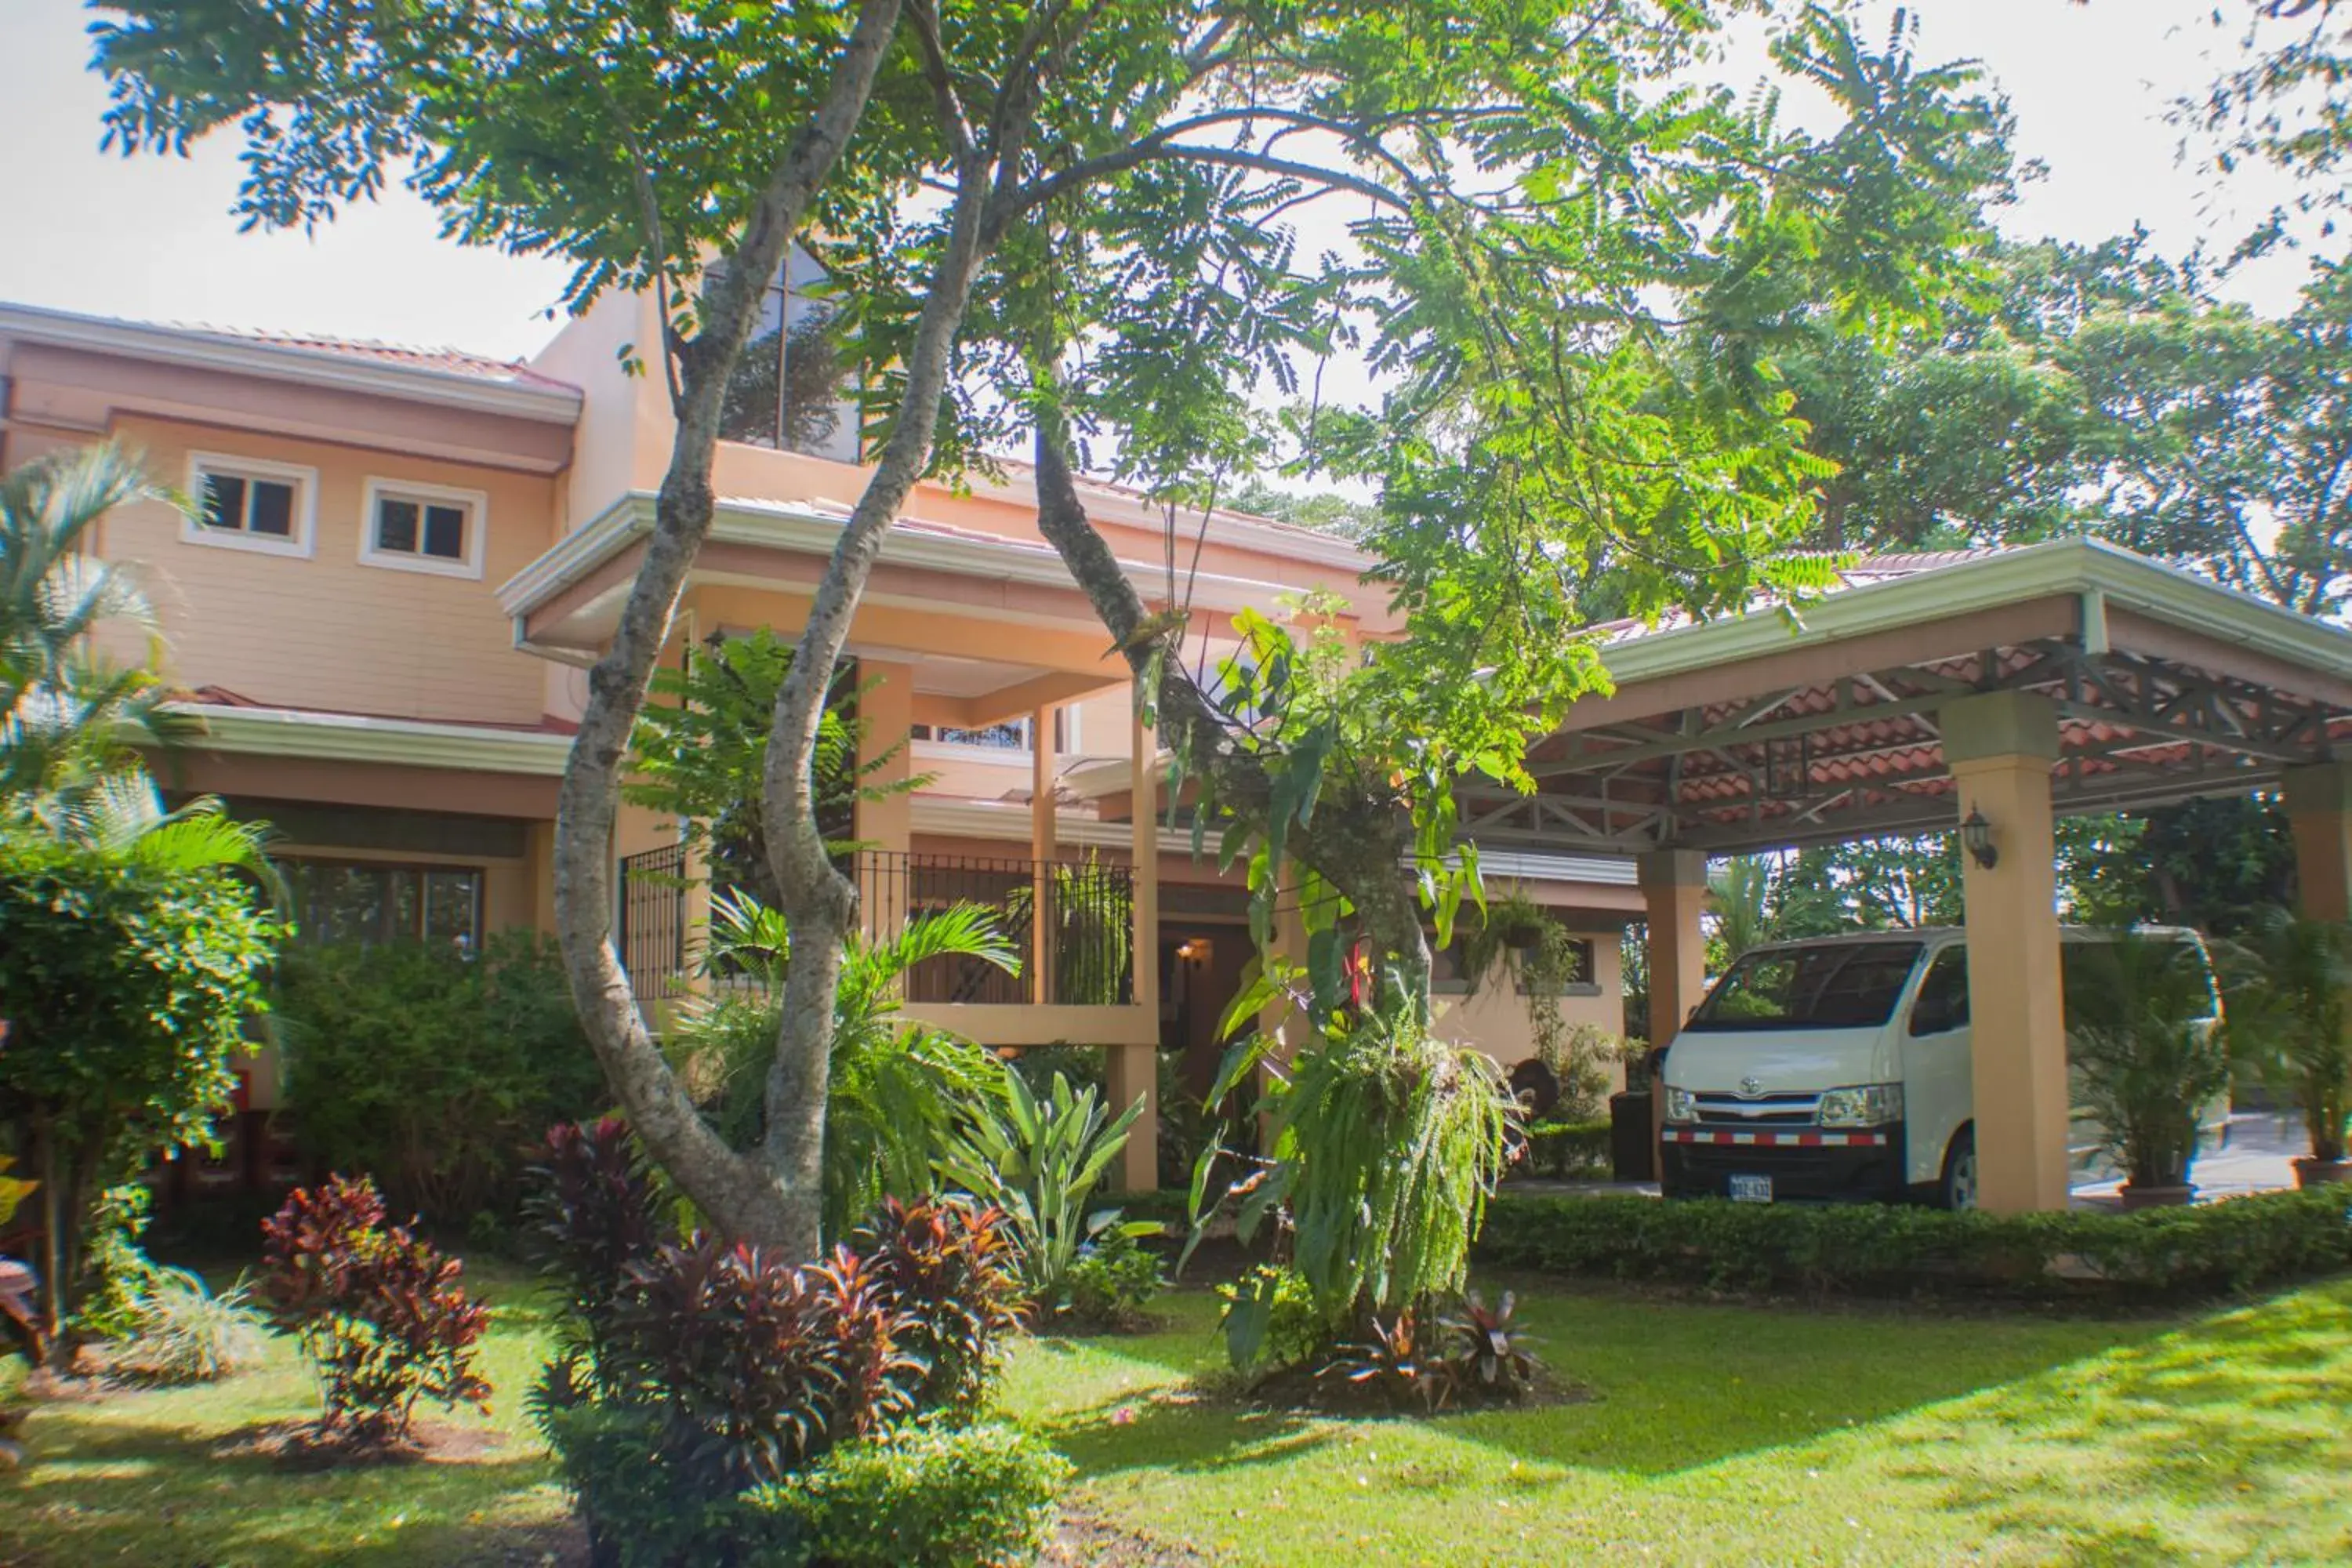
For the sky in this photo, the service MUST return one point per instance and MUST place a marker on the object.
(151, 238)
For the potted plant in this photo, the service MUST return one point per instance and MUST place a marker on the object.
(2142, 1036)
(2287, 1019)
(1513, 923)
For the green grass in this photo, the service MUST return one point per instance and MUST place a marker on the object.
(1718, 1434)
(1734, 1435)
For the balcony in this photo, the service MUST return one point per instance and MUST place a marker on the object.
(1079, 915)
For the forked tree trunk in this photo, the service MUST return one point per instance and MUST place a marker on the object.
(740, 1194)
(818, 903)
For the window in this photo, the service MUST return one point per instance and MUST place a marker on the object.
(1942, 1002)
(247, 504)
(424, 528)
(792, 387)
(1844, 985)
(1012, 735)
(341, 900)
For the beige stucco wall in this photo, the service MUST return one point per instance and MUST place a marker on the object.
(327, 631)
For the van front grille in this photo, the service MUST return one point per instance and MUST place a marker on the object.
(1799, 1109)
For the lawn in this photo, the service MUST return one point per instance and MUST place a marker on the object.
(1716, 1434)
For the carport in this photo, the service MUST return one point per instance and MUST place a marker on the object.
(1998, 690)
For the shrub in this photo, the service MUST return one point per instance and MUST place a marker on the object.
(1114, 1277)
(382, 1315)
(432, 1071)
(923, 1497)
(1269, 1317)
(181, 1332)
(593, 1211)
(1559, 1148)
(949, 1265)
(1040, 1158)
(1871, 1250)
(127, 975)
(2147, 1061)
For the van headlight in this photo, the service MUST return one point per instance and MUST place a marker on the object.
(1862, 1105)
(1682, 1105)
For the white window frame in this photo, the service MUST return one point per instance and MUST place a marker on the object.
(305, 481)
(478, 527)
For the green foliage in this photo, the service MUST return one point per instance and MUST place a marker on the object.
(1876, 1251)
(180, 1331)
(1091, 925)
(1114, 1278)
(431, 1070)
(700, 752)
(2286, 1017)
(1084, 1066)
(2141, 1038)
(1269, 1318)
(1387, 1144)
(1562, 1149)
(897, 1091)
(924, 1497)
(383, 1317)
(1039, 1159)
(128, 969)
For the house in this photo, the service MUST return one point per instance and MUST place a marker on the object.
(400, 562)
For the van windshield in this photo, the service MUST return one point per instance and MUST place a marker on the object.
(1849, 985)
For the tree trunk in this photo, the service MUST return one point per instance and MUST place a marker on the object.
(739, 1196)
(819, 905)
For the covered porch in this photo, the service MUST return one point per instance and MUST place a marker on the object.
(1991, 691)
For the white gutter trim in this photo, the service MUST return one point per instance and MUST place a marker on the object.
(287, 362)
(808, 530)
(1010, 823)
(353, 738)
(2067, 567)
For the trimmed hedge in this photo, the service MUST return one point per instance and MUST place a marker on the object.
(1870, 1250)
(922, 1496)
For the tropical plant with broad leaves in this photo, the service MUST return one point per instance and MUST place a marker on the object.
(1386, 1142)
(67, 713)
(701, 748)
(2287, 1017)
(1039, 1159)
(898, 1088)
(2142, 1036)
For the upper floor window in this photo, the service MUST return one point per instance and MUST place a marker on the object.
(424, 528)
(791, 388)
(1012, 735)
(247, 504)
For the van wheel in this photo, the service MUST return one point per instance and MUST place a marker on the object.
(1959, 1188)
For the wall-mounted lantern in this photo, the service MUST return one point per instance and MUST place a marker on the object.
(1976, 834)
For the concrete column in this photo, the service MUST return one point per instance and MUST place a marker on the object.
(886, 827)
(1674, 888)
(1042, 847)
(2319, 812)
(2000, 748)
(1134, 1070)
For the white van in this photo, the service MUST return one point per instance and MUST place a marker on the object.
(1839, 1068)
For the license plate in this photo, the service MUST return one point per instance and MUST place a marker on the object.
(1752, 1189)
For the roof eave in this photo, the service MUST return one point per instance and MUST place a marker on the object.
(285, 362)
